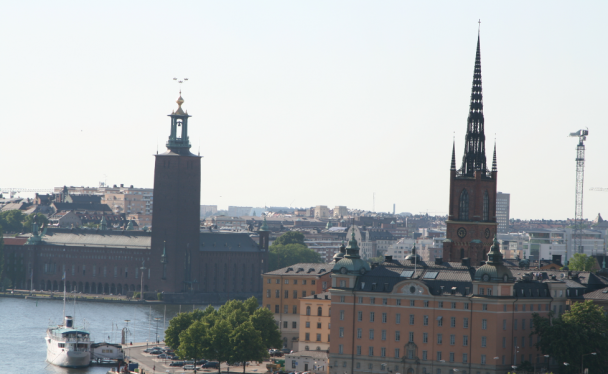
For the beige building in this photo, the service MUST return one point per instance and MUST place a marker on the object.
(340, 211)
(315, 322)
(142, 220)
(128, 203)
(307, 361)
(283, 289)
(322, 211)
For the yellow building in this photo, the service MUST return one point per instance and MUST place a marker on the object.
(315, 324)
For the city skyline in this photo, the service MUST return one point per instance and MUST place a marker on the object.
(338, 101)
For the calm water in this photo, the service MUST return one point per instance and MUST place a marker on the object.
(23, 325)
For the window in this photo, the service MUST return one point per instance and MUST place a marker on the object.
(465, 340)
(385, 301)
(425, 320)
(341, 349)
(411, 319)
(286, 281)
(277, 294)
(276, 309)
(523, 307)
(439, 338)
(342, 283)
(372, 300)
(342, 299)
(268, 306)
(466, 323)
(295, 309)
(383, 334)
(481, 291)
(484, 306)
(285, 324)
(412, 302)
(515, 324)
(398, 302)
(324, 285)
(452, 339)
(424, 355)
(440, 304)
(531, 324)
(398, 318)
(489, 292)
(371, 316)
(359, 333)
(268, 280)
(359, 316)
(451, 356)
(483, 359)
(523, 324)
(504, 342)
(358, 350)
(318, 337)
(371, 351)
(267, 293)
(303, 293)
(466, 306)
(439, 356)
(371, 334)
(484, 324)
(382, 352)
(425, 337)
(286, 294)
(504, 324)
(465, 358)
(463, 213)
(294, 325)
(319, 311)
(483, 341)
(486, 206)
(307, 336)
(341, 315)
(307, 325)
(426, 303)
(383, 317)
(411, 336)
(341, 332)
(453, 305)
(397, 336)
(397, 353)
(285, 309)
(308, 310)
(295, 294)
(303, 281)
(440, 321)
(360, 300)
(295, 281)
(452, 321)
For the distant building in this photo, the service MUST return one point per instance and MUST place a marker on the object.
(315, 322)
(321, 211)
(503, 206)
(208, 210)
(239, 211)
(340, 211)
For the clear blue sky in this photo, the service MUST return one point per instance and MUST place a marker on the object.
(307, 102)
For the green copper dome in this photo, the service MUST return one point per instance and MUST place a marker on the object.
(352, 262)
(494, 270)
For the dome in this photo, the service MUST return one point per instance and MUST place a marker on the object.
(351, 266)
(494, 270)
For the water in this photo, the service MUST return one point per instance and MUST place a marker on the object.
(23, 325)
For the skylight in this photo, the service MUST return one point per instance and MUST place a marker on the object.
(431, 275)
(407, 273)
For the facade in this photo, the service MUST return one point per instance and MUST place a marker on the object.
(283, 289)
(307, 361)
(471, 223)
(322, 212)
(340, 211)
(503, 208)
(208, 210)
(544, 243)
(417, 317)
(315, 322)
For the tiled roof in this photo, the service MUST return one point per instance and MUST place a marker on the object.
(322, 295)
(94, 238)
(302, 269)
(601, 294)
(82, 206)
(227, 242)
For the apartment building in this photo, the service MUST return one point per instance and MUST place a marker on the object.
(315, 322)
(283, 289)
(437, 318)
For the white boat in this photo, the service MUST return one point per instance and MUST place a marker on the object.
(67, 346)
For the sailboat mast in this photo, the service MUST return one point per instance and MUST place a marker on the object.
(64, 296)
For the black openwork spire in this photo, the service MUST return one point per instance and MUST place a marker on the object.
(453, 166)
(494, 165)
(474, 157)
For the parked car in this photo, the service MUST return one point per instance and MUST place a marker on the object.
(201, 362)
(189, 367)
(156, 352)
(148, 350)
(177, 363)
(211, 364)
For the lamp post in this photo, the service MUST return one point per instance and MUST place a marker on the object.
(548, 361)
(583, 358)
(514, 368)
(157, 319)
(141, 291)
(127, 336)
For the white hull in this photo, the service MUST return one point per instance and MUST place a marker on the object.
(71, 359)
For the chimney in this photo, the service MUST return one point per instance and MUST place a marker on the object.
(438, 260)
(465, 262)
(388, 258)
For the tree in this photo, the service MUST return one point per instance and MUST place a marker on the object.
(290, 237)
(280, 256)
(1, 254)
(192, 341)
(27, 221)
(581, 262)
(180, 323)
(263, 321)
(216, 345)
(579, 331)
(247, 344)
(11, 221)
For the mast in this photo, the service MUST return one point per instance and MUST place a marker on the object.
(63, 296)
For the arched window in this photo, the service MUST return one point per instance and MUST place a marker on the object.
(307, 310)
(463, 212)
(319, 311)
(486, 206)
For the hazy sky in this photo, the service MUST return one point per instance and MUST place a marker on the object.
(302, 103)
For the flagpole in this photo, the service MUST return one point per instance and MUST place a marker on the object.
(63, 296)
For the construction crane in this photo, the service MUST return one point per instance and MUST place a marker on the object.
(580, 174)
(12, 191)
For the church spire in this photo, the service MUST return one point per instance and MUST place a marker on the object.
(474, 157)
(494, 165)
(453, 166)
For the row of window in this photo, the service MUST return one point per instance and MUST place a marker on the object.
(295, 281)
(277, 294)
(295, 310)
(52, 268)
(307, 337)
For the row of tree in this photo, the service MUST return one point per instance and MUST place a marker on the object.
(14, 221)
(236, 332)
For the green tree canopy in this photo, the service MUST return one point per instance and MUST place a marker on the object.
(11, 221)
(280, 256)
(263, 321)
(247, 344)
(290, 237)
(178, 324)
(192, 341)
(217, 345)
(579, 331)
(581, 262)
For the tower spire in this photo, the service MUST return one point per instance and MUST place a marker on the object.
(474, 157)
(494, 165)
(453, 166)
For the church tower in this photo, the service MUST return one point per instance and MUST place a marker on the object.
(176, 218)
(471, 223)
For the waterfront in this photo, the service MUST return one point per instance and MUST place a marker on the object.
(23, 324)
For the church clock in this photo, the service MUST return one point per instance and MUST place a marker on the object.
(462, 232)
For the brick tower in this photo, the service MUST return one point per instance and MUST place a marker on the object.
(471, 223)
(176, 218)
